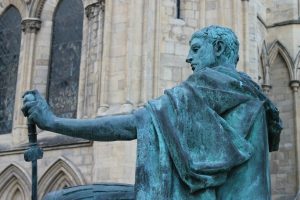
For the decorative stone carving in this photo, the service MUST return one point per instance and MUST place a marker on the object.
(93, 10)
(294, 84)
(278, 48)
(266, 88)
(61, 173)
(39, 7)
(14, 179)
(31, 25)
(95, 24)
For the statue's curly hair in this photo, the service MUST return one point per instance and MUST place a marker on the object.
(214, 33)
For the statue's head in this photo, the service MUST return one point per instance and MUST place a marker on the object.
(213, 46)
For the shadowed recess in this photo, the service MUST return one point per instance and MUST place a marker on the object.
(10, 37)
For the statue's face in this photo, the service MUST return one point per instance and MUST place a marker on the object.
(201, 54)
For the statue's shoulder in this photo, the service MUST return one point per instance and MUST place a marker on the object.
(217, 77)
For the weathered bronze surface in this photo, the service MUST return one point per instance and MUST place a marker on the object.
(104, 191)
(33, 153)
(207, 138)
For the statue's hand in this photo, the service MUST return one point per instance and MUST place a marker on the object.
(37, 110)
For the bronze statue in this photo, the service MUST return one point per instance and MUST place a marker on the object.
(208, 138)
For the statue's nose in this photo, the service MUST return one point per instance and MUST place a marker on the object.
(188, 59)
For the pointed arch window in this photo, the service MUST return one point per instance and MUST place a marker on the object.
(10, 38)
(14, 183)
(61, 174)
(63, 78)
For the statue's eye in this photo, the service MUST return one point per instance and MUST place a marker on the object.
(195, 49)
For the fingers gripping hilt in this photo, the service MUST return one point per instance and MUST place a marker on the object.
(32, 154)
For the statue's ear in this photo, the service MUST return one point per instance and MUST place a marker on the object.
(219, 47)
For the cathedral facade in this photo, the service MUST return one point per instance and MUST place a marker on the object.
(92, 58)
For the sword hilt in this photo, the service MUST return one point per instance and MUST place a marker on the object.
(34, 152)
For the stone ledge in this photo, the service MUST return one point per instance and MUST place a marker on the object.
(47, 144)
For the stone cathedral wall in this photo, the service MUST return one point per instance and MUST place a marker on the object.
(132, 50)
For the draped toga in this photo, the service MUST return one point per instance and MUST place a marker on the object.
(207, 138)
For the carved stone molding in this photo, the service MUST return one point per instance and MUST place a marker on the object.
(31, 25)
(94, 41)
(61, 172)
(39, 8)
(94, 9)
(14, 179)
(294, 84)
(266, 88)
(265, 59)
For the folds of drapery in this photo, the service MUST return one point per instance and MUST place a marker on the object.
(200, 122)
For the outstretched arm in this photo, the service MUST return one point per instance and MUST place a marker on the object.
(122, 127)
(100, 129)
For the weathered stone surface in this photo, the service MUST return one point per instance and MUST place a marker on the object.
(150, 23)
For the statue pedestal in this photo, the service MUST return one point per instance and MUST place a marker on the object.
(101, 191)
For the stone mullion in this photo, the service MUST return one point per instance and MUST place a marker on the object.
(100, 69)
(266, 86)
(102, 87)
(244, 57)
(94, 13)
(151, 51)
(87, 68)
(134, 64)
(30, 27)
(294, 84)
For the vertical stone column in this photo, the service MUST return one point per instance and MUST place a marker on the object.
(294, 84)
(266, 86)
(115, 161)
(30, 27)
(93, 72)
(151, 49)
(244, 58)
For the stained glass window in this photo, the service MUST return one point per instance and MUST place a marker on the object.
(10, 37)
(65, 58)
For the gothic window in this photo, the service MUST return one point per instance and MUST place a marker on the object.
(282, 95)
(14, 183)
(10, 37)
(280, 74)
(178, 9)
(65, 58)
(60, 175)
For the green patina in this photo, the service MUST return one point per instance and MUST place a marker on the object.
(208, 138)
